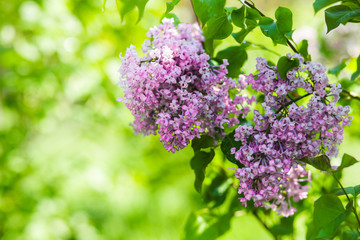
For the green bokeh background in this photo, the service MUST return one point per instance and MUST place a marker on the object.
(71, 166)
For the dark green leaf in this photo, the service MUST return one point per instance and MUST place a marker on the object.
(236, 57)
(349, 235)
(218, 27)
(200, 143)
(349, 190)
(357, 72)
(329, 213)
(284, 65)
(199, 163)
(170, 5)
(320, 4)
(209, 46)
(340, 14)
(284, 19)
(303, 49)
(206, 9)
(238, 17)
(337, 69)
(346, 161)
(227, 144)
(215, 193)
(269, 29)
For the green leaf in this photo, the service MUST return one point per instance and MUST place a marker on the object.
(238, 17)
(346, 161)
(173, 16)
(303, 49)
(349, 235)
(125, 6)
(227, 144)
(349, 190)
(269, 29)
(284, 19)
(205, 225)
(170, 5)
(236, 57)
(215, 193)
(103, 5)
(329, 213)
(320, 4)
(286, 226)
(321, 162)
(284, 65)
(199, 163)
(206, 9)
(201, 143)
(340, 14)
(357, 72)
(337, 69)
(218, 27)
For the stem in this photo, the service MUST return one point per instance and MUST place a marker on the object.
(264, 224)
(351, 95)
(250, 5)
(292, 101)
(347, 196)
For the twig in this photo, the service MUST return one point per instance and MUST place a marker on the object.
(347, 196)
(249, 4)
(351, 95)
(292, 101)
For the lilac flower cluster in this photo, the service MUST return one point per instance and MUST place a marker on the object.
(287, 129)
(175, 91)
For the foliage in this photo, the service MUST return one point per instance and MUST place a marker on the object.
(71, 167)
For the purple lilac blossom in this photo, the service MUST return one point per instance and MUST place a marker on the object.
(175, 91)
(285, 131)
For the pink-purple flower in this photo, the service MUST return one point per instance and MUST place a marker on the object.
(175, 91)
(286, 129)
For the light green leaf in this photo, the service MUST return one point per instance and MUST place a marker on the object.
(346, 161)
(170, 5)
(125, 6)
(337, 69)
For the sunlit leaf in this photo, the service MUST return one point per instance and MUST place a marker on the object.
(170, 5)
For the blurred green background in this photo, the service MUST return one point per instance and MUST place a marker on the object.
(71, 166)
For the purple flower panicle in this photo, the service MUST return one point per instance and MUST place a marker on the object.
(175, 91)
(287, 129)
